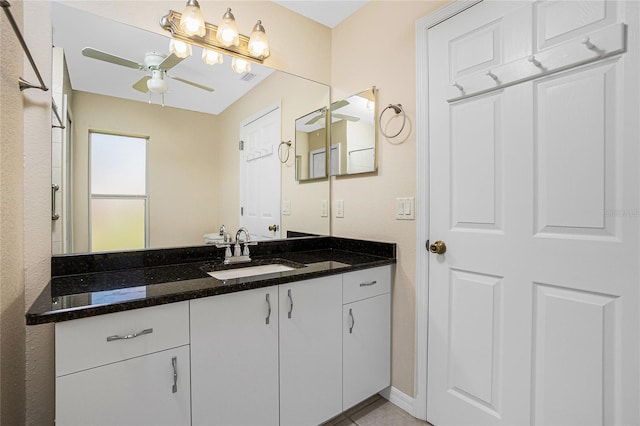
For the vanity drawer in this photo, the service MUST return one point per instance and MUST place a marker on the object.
(91, 342)
(366, 283)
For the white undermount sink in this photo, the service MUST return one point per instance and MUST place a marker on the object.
(249, 271)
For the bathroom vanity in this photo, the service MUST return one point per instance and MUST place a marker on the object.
(151, 337)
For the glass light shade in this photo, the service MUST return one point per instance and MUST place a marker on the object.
(211, 57)
(157, 84)
(258, 42)
(191, 20)
(180, 48)
(240, 65)
(227, 33)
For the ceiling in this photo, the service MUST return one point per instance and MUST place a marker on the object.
(327, 12)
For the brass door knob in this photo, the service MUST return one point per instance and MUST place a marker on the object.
(437, 247)
(274, 228)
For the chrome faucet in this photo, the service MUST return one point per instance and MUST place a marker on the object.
(238, 255)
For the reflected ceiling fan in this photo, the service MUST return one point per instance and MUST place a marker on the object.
(334, 106)
(156, 63)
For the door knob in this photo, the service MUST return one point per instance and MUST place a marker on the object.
(437, 247)
(274, 228)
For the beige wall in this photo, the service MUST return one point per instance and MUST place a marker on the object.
(384, 57)
(182, 170)
(12, 328)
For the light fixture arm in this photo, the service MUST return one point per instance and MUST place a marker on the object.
(171, 22)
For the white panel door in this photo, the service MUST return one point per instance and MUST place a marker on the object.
(234, 358)
(260, 171)
(533, 308)
(310, 351)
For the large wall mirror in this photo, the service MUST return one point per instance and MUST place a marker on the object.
(354, 136)
(192, 174)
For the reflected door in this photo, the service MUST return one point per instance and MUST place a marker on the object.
(533, 307)
(260, 176)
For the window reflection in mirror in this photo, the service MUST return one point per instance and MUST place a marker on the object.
(311, 145)
(354, 123)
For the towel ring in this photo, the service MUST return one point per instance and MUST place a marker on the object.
(288, 144)
(398, 109)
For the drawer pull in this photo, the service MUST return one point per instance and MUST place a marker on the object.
(369, 283)
(269, 310)
(174, 364)
(353, 321)
(130, 336)
(290, 303)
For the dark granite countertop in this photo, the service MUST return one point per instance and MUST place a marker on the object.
(101, 283)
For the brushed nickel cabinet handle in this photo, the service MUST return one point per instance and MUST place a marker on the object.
(269, 310)
(129, 336)
(290, 303)
(353, 321)
(174, 364)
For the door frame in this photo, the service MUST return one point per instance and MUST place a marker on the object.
(422, 195)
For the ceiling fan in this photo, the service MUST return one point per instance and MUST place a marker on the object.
(157, 63)
(334, 106)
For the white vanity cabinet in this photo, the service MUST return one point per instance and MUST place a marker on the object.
(310, 350)
(366, 318)
(234, 358)
(124, 368)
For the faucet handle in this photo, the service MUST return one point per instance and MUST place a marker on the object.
(245, 251)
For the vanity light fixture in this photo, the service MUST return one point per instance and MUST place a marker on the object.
(222, 39)
(192, 21)
(240, 66)
(211, 57)
(259, 43)
(180, 48)
(227, 32)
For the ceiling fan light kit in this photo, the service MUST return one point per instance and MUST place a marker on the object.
(224, 38)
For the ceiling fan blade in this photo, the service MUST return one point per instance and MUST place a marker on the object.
(199, 86)
(141, 85)
(170, 62)
(339, 104)
(314, 119)
(346, 117)
(90, 52)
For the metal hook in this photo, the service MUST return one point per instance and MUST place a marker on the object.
(493, 76)
(534, 61)
(587, 43)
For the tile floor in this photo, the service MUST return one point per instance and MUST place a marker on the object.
(375, 411)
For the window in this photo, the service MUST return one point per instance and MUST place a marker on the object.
(118, 192)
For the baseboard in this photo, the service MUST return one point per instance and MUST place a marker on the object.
(400, 399)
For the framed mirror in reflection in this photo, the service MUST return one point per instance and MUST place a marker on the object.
(311, 146)
(354, 135)
(193, 158)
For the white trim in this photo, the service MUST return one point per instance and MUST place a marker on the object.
(422, 197)
(399, 399)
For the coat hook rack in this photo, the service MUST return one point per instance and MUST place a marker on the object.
(22, 83)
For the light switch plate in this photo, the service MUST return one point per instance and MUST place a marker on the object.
(339, 208)
(286, 208)
(324, 208)
(405, 208)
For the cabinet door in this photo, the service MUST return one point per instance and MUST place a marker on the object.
(367, 348)
(310, 351)
(139, 391)
(234, 358)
